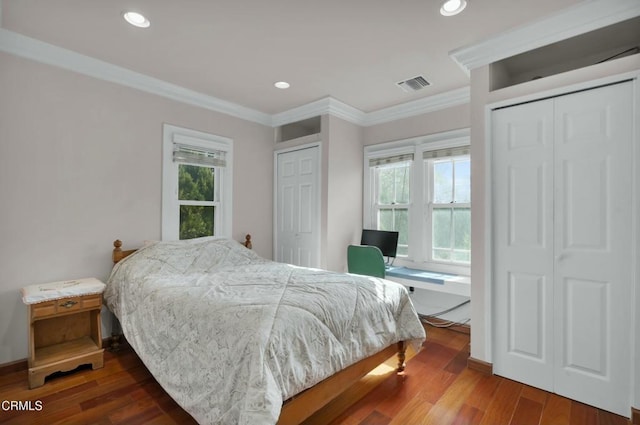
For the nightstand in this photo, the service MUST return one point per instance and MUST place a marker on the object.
(65, 327)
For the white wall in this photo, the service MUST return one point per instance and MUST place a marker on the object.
(344, 171)
(80, 165)
(453, 118)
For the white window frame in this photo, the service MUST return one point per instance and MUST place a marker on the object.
(430, 205)
(377, 207)
(223, 199)
(419, 255)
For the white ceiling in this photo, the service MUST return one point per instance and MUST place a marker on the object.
(352, 50)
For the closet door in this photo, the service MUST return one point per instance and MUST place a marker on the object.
(523, 243)
(593, 246)
(563, 249)
(297, 207)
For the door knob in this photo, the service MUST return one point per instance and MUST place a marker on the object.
(561, 257)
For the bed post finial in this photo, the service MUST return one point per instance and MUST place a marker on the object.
(117, 251)
(118, 254)
(247, 241)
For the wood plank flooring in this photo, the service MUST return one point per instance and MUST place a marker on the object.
(437, 388)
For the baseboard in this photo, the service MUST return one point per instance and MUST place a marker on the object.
(635, 416)
(480, 366)
(14, 366)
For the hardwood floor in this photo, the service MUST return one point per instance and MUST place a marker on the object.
(437, 388)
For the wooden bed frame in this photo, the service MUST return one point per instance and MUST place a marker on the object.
(301, 406)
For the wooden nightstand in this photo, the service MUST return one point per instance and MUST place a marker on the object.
(65, 327)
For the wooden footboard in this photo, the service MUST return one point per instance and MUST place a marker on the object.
(300, 407)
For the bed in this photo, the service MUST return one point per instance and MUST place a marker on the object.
(238, 339)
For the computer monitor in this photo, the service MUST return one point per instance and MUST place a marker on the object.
(385, 240)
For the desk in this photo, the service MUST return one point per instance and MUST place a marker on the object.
(433, 281)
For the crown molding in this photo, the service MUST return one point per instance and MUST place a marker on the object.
(346, 112)
(329, 105)
(579, 19)
(326, 105)
(30, 48)
(420, 106)
(39, 51)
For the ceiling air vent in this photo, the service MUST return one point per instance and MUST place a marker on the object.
(413, 84)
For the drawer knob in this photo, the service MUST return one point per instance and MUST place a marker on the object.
(69, 304)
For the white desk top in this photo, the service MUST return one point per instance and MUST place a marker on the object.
(450, 284)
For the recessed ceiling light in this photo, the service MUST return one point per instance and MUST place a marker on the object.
(282, 85)
(453, 7)
(136, 19)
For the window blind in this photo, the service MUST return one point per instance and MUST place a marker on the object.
(375, 162)
(184, 154)
(443, 153)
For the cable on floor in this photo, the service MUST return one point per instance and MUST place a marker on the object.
(447, 323)
(448, 310)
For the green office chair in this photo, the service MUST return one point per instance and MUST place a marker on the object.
(366, 260)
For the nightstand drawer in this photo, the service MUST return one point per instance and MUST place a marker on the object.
(43, 309)
(66, 305)
(92, 301)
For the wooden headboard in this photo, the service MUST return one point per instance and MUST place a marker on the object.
(118, 253)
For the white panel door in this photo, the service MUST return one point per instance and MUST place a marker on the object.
(523, 241)
(563, 248)
(593, 246)
(297, 211)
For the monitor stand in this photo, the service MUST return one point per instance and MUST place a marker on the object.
(389, 263)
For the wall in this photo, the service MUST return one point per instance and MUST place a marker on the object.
(453, 118)
(480, 225)
(80, 165)
(344, 172)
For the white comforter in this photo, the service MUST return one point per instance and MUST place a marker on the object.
(230, 335)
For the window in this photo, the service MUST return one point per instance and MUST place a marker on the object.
(196, 192)
(197, 199)
(449, 205)
(392, 196)
(422, 188)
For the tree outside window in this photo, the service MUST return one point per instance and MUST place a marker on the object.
(196, 198)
